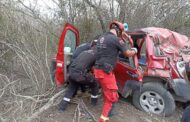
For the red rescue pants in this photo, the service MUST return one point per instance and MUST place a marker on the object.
(109, 88)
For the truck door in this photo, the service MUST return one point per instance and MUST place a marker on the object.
(127, 69)
(68, 41)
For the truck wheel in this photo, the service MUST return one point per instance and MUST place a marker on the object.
(155, 99)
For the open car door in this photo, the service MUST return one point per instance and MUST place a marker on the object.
(68, 41)
(127, 71)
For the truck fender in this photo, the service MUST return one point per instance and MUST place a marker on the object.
(130, 86)
(181, 88)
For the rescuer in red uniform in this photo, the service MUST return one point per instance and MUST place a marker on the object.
(108, 47)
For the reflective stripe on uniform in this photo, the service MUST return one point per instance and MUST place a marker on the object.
(66, 99)
(104, 118)
(92, 96)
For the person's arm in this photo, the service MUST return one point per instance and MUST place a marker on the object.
(123, 48)
(130, 53)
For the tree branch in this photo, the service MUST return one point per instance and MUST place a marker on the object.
(96, 9)
(45, 107)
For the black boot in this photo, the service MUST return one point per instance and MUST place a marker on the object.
(113, 111)
(63, 105)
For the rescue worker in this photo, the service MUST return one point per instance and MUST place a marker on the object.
(80, 49)
(108, 47)
(85, 46)
(186, 74)
(79, 73)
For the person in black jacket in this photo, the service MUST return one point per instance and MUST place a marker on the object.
(186, 74)
(79, 74)
(83, 47)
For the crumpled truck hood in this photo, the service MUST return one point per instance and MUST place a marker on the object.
(172, 44)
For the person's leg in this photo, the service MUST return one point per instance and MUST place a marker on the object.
(106, 107)
(105, 110)
(71, 90)
(182, 88)
(93, 84)
(94, 92)
(77, 77)
(186, 115)
(94, 88)
(109, 88)
(83, 88)
(110, 97)
(113, 111)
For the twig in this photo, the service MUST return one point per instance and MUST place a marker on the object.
(4, 52)
(3, 90)
(30, 98)
(81, 104)
(46, 57)
(77, 113)
(89, 113)
(45, 107)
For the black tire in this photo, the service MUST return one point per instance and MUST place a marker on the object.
(152, 95)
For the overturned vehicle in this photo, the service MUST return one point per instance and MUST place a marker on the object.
(153, 77)
(158, 65)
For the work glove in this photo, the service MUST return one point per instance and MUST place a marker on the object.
(135, 49)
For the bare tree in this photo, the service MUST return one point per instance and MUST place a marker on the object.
(98, 13)
(123, 5)
(28, 39)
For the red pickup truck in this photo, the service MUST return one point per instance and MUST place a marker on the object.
(156, 68)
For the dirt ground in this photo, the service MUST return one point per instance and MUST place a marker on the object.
(126, 113)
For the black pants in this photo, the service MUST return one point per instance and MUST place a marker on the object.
(76, 80)
(186, 115)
